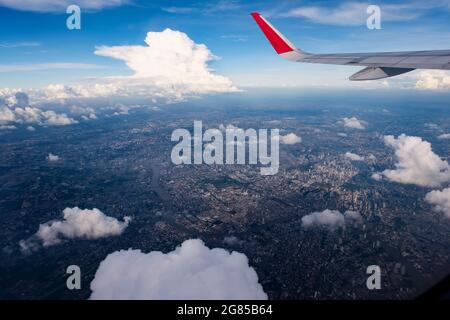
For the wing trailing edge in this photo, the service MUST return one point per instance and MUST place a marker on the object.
(375, 73)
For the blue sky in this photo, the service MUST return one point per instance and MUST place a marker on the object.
(36, 48)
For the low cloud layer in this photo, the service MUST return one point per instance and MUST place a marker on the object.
(440, 200)
(190, 272)
(354, 123)
(433, 80)
(15, 109)
(416, 162)
(353, 156)
(331, 219)
(76, 223)
(290, 138)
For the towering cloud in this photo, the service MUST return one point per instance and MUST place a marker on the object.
(416, 162)
(170, 66)
(171, 63)
(192, 271)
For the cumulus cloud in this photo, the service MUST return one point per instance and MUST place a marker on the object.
(444, 136)
(440, 200)
(52, 157)
(60, 5)
(377, 176)
(190, 272)
(331, 219)
(353, 156)
(76, 223)
(354, 123)
(170, 61)
(15, 109)
(290, 138)
(86, 113)
(433, 80)
(416, 162)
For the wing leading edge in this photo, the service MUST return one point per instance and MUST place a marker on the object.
(379, 65)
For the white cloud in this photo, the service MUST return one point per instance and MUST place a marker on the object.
(60, 5)
(416, 162)
(354, 123)
(171, 63)
(433, 80)
(444, 136)
(190, 272)
(377, 176)
(7, 127)
(432, 126)
(36, 115)
(353, 156)
(353, 13)
(87, 113)
(77, 223)
(290, 138)
(52, 157)
(331, 219)
(353, 217)
(441, 201)
(16, 110)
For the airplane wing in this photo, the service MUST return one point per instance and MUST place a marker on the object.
(378, 65)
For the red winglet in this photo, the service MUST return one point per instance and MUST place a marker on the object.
(274, 37)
